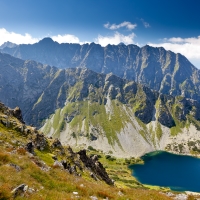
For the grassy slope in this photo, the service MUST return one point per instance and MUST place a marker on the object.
(57, 183)
(94, 114)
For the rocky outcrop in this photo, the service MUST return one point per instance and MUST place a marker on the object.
(72, 161)
(19, 190)
(16, 167)
(57, 145)
(145, 112)
(30, 147)
(64, 157)
(18, 114)
(22, 190)
(22, 83)
(95, 166)
(40, 141)
(165, 117)
(12, 119)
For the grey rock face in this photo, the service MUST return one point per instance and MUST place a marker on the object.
(161, 70)
(95, 166)
(40, 142)
(18, 114)
(19, 190)
(165, 117)
(22, 82)
(16, 167)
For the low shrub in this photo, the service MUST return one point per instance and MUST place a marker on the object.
(91, 148)
(21, 151)
(4, 158)
(5, 192)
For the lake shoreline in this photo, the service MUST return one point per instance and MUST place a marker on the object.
(156, 158)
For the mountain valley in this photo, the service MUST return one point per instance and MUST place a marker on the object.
(99, 100)
(118, 112)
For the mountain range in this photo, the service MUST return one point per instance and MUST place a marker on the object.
(160, 70)
(86, 108)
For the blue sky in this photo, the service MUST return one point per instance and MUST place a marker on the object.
(173, 24)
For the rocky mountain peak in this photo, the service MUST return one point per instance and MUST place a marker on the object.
(8, 44)
(46, 41)
(121, 43)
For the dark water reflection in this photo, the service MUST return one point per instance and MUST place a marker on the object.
(180, 173)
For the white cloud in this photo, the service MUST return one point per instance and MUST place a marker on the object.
(66, 38)
(189, 47)
(192, 40)
(28, 39)
(16, 37)
(146, 24)
(107, 25)
(115, 39)
(128, 25)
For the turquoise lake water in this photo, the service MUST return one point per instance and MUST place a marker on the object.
(180, 173)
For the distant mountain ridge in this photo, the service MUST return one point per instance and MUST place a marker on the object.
(8, 44)
(161, 70)
(22, 82)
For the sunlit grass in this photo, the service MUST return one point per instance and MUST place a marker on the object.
(58, 184)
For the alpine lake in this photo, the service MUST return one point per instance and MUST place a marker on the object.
(177, 172)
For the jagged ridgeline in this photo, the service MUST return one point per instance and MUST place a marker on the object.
(82, 107)
(161, 70)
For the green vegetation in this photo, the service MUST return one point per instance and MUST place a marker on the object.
(143, 131)
(56, 119)
(39, 100)
(47, 127)
(86, 114)
(195, 122)
(75, 91)
(140, 99)
(158, 131)
(45, 156)
(176, 111)
(188, 86)
(175, 130)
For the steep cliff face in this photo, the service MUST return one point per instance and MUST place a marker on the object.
(22, 82)
(161, 70)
